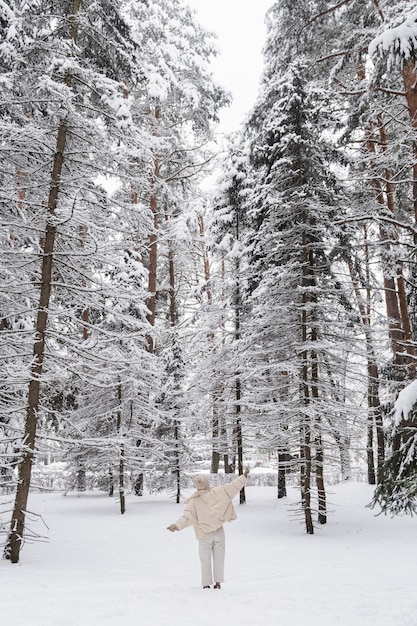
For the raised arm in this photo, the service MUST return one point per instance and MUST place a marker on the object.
(233, 488)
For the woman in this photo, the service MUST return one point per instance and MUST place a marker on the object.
(207, 510)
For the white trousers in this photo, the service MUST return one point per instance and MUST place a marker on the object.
(212, 550)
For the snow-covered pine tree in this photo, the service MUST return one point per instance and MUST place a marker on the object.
(66, 121)
(177, 104)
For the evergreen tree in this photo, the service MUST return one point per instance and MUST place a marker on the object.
(65, 123)
(297, 302)
(177, 104)
(396, 492)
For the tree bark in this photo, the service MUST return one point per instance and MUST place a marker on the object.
(153, 243)
(239, 437)
(177, 469)
(409, 80)
(111, 483)
(152, 270)
(282, 470)
(153, 264)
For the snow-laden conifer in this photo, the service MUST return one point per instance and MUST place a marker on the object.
(67, 120)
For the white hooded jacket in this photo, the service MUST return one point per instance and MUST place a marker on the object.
(207, 509)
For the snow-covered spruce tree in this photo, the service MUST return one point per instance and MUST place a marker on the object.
(380, 144)
(209, 387)
(396, 492)
(66, 120)
(299, 308)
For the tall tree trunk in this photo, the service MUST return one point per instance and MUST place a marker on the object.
(283, 451)
(395, 326)
(85, 313)
(215, 455)
(305, 426)
(239, 436)
(318, 441)
(122, 495)
(409, 80)
(343, 443)
(173, 316)
(177, 469)
(153, 265)
(122, 498)
(402, 296)
(15, 538)
(305, 457)
(282, 470)
(153, 241)
(370, 457)
(321, 489)
(238, 386)
(152, 270)
(111, 483)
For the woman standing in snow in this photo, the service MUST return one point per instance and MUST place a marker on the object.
(207, 510)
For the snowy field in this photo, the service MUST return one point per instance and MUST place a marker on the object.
(99, 567)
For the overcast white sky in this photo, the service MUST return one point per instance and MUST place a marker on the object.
(239, 25)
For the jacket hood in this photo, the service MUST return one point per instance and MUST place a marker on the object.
(196, 494)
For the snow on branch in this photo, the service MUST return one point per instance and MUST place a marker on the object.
(405, 402)
(5, 11)
(400, 42)
(116, 100)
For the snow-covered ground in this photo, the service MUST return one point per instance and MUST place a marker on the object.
(99, 567)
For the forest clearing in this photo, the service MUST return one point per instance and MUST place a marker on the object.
(101, 569)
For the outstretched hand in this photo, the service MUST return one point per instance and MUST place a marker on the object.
(172, 528)
(246, 472)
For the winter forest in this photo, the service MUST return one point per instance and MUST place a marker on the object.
(171, 303)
